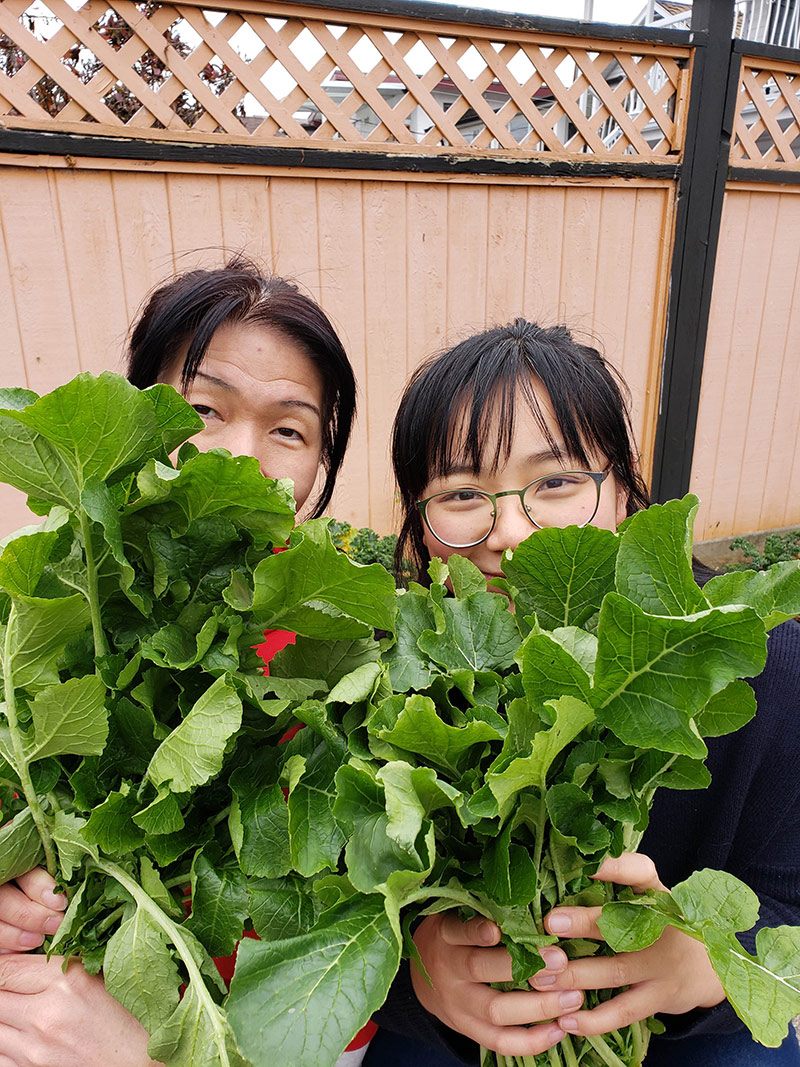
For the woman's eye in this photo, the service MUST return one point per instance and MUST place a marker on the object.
(289, 433)
(205, 412)
(461, 496)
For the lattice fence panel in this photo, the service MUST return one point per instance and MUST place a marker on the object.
(279, 73)
(767, 124)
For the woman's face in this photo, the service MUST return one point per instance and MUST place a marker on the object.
(531, 456)
(260, 395)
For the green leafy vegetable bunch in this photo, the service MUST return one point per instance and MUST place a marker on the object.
(138, 739)
(488, 760)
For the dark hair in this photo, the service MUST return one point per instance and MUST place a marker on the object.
(193, 306)
(450, 404)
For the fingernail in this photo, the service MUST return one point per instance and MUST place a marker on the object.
(569, 1023)
(50, 899)
(30, 939)
(553, 958)
(543, 979)
(559, 924)
(486, 933)
(571, 998)
(556, 1034)
(52, 924)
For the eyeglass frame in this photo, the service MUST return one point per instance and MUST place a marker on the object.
(598, 477)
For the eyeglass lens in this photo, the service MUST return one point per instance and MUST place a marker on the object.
(463, 517)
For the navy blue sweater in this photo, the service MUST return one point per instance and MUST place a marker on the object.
(746, 822)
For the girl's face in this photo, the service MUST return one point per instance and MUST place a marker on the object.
(260, 395)
(531, 457)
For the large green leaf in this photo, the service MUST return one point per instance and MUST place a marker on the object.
(654, 561)
(764, 989)
(176, 418)
(562, 575)
(315, 590)
(572, 717)
(139, 971)
(654, 673)
(479, 634)
(194, 750)
(315, 836)
(197, 1032)
(217, 484)
(219, 902)
(549, 671)
(727, 711)
(259, 819)
(300, 1001)
(90, 426)
(25, 555)
(419, 729)
(69, 718)
(20, 846)
(774, 593)
(282, 907)
(38, 632)
(409, 667)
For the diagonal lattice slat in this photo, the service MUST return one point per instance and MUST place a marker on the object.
(767, 122)
(393, 83)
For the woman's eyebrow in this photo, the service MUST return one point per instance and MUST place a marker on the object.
(212, 379)
(300, 404)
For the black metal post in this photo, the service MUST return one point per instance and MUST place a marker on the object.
(701, 190)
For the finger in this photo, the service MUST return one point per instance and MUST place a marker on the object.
(520, 1008)
(28, 974)
(600, 972)
(631, 869)
(480, 964)
(629, 1007)
(517, 1040)
(574, 922)
(18, 910)
(12, 939)
(39, 885)
(477, 931)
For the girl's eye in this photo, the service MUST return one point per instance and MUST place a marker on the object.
(462, 496)
(205, 412)
(289, 433)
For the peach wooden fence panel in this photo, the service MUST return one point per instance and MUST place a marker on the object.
(747, 452)
(403, 266)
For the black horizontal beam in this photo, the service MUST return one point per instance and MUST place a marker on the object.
(767, 51)
(36, 142)
(761, 174)
(436, 12)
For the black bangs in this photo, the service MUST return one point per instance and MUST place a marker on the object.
(459, 411)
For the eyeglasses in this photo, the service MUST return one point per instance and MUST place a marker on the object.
(463, 518)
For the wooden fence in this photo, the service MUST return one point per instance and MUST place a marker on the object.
(422, 171)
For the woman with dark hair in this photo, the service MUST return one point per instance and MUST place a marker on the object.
(260, 361)
(512, 430)
(264, 367)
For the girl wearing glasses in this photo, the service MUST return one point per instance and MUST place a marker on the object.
(512, 430)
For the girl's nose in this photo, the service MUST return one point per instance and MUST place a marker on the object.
(511, 526)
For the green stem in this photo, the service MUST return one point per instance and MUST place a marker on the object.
(458, 896)
(570, 1059)
(541, 822)
(606, 1054)
(17, 744)
(175, 935)
(641, 1039)
(178, 880)
(100, 646)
